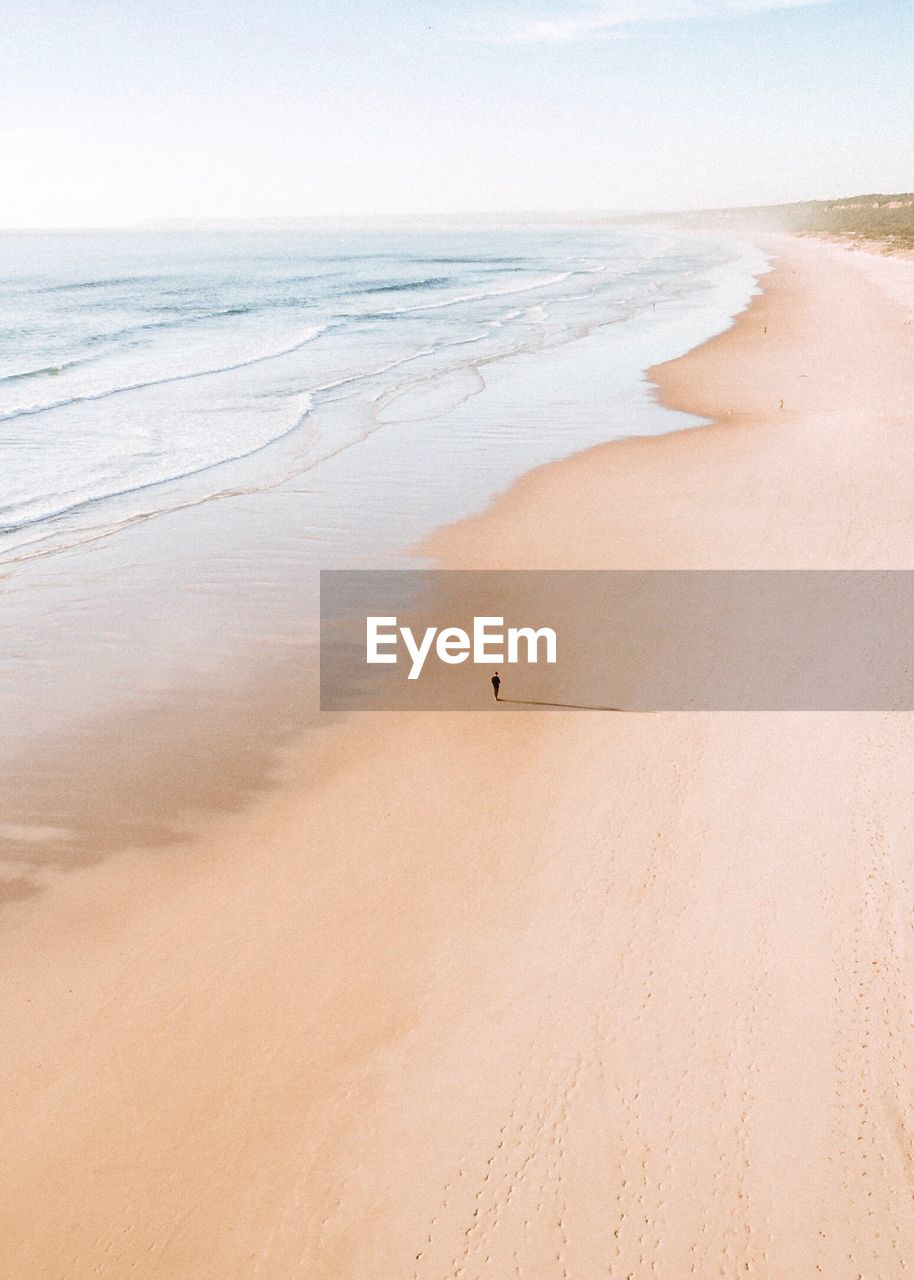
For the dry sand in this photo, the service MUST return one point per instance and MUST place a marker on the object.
(558, 995)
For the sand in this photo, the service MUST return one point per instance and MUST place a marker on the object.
(545, 995)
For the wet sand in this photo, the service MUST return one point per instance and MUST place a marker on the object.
(543, 995)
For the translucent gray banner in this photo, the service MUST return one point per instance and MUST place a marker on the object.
(632, 641)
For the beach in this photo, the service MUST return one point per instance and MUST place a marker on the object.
(544, 995)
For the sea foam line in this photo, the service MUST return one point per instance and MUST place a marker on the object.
(310, 335)
(88, 500)
(27, 411)
(479, 297)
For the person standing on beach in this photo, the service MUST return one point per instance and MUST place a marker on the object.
(496, 684)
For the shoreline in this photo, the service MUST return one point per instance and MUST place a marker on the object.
(164, 675)
(748, 421)
(538, 995)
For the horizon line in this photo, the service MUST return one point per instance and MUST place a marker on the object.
(331, 220)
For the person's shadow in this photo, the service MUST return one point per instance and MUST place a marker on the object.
(570, 706)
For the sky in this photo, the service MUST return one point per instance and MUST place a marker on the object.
(117, 111)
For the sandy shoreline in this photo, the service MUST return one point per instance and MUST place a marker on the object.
(517, 995)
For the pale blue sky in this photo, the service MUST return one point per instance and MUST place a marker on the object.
(121, 110)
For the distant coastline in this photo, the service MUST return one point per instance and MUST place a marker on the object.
(884, 221)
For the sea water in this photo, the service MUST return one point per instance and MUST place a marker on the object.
(192, 424)
(133, 360)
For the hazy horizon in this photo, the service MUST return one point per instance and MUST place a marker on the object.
(125, 114)
(455, 219)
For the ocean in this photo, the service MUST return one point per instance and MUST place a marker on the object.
(133, 360)
(193, 424)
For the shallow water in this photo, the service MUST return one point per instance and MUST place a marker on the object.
(132, 359)
(192, 425)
